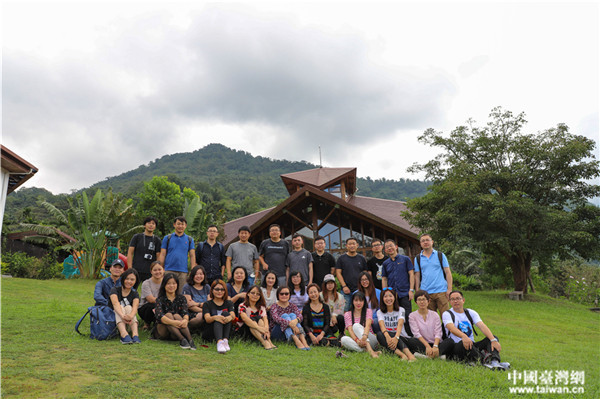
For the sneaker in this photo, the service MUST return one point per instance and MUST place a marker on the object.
(420, 355)
(443, 357)
(192, 345)
(221, 347)
(495, 365)
(126, 340)
(505, 365)
(136, 339)
(226, 345)
(184, 344)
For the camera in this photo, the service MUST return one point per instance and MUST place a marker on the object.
(148, 256)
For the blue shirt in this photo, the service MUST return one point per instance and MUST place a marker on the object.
(102, 290)
(396, 271)
(432, 276)
(176, 259)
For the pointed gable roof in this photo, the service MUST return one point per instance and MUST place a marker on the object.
(320, 178)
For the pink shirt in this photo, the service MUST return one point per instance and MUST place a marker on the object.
(349, 322)
(430, 329)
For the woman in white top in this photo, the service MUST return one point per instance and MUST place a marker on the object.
(149, 294)
(269, 288)
(391, 323)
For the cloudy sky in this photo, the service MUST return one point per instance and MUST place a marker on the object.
(91, 90)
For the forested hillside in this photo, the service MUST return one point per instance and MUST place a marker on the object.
(225, 179)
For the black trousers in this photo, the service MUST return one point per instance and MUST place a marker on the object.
(457, 350)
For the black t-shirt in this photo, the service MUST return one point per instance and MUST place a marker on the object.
(374, 265)
(211, 308)
(275, 254)
(146, 250)
(322, 265)
(351, 267)
(124, 301)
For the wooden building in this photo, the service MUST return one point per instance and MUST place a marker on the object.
(322, 202)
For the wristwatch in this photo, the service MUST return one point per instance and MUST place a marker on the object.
(435, 346)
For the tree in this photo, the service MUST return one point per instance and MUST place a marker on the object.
(163, 200)
(520, 196)
(85, 225)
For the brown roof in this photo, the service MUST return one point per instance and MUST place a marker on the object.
(320, 178)
(388, 210)
(231, 228)
(20, 170)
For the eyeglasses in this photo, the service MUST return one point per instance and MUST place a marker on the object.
(455, 299)
(218, 289)
(377, 245)
(253, 293)
(422, 299)
(284, 293)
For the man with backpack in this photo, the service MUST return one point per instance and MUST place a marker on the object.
(460, 323)
(432, 274)
(175, 250)
(104, 286)
(144, 249)
(211, 255)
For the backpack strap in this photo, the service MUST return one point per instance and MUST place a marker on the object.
(168, 240)
(471, 320)
(441, 259)
(81, 320)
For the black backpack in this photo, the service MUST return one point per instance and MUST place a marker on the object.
(440, 257)
(468, 317)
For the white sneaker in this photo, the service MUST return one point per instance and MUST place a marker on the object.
(226, 345)
(221, 347)
(420, 355)
(443, 357)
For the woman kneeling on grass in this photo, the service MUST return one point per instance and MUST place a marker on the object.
(426, 327)
(336, 303)
(286, 320)
(150, 289)
(391, 321)
(358, 322)
(196, 293)
(253, 315)
(316, 317)
(124, 300)
(218, 316)
(172, 314)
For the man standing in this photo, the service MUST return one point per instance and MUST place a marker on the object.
(460, 345)
(375, 264)
(175, 250)
(323, 262)
(144, 249)
(398, 273)
(432, 274)
(272, 254)
(211, 255)
(103, 287)
(299, 260)
(347, 269)
(243, 253)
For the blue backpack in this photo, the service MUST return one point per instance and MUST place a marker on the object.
(102, 322)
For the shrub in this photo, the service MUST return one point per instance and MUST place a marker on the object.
(467, 283)
(19, 264)
(576, 281)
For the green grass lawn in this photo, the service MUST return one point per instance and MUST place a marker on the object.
(42, 355)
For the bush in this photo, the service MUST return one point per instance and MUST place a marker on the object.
(576, 281)
(466, 283)
(19, 264)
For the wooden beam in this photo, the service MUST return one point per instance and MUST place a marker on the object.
(297, 218)
(336, 206)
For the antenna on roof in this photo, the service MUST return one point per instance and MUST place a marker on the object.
(320, 160)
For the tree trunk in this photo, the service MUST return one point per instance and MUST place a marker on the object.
(520, 267)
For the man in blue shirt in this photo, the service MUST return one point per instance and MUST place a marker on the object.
(433, 277)
(103, 287)
(211, 255)
(175, 250)
(397, 272)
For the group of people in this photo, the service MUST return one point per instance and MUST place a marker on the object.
(297, 299)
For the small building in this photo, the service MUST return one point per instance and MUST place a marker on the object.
(15, 171)
(323, 202)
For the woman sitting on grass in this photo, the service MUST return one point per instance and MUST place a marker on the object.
(336, 303)
(372, 295)
(391, 321)
(426, 327)
(237, 286)
(253, 318)
(269, 289)
(358, 323)
(297, 287)
(286, 320)
(150, 289)
(124, 300)
(196, 293)
(172, 314)
(316, 317)
(218, 316)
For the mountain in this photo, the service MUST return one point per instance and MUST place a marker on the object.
(226, 179)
